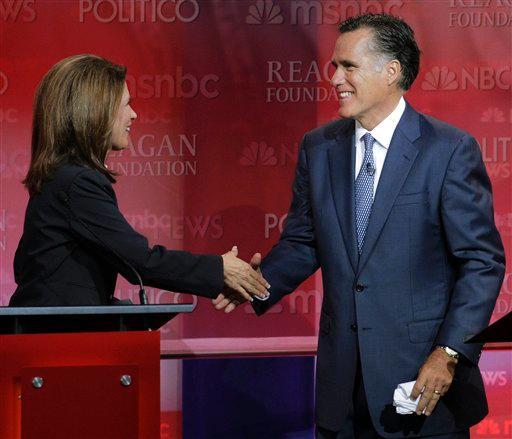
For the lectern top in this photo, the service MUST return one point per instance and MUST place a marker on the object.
(33, 320)
(106, 309)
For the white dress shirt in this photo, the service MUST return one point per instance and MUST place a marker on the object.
(382, 134)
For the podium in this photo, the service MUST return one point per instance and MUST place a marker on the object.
(82, 372)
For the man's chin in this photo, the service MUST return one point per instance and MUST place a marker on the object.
(344, 113)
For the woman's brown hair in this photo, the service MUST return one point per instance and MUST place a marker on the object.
(74, 110)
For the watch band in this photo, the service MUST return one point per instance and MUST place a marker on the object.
(449, 351)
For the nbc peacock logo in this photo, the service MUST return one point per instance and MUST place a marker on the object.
(264, 12)
(440, 78)
(258, 153)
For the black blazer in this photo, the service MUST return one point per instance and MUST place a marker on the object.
(59, 261)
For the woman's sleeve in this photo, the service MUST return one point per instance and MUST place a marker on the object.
(96, 219)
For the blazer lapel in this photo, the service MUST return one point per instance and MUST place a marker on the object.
(399, 160)
(341, 168)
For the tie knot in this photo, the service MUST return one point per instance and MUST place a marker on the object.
(368, 141)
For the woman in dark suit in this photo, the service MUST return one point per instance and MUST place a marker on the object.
(75, 240)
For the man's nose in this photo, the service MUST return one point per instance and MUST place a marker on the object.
(338, 78)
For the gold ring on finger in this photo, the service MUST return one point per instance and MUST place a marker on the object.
(437, 392)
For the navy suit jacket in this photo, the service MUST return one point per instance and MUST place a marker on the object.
(60, 262)
(429, 273)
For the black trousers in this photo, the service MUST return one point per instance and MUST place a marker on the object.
(358, 423)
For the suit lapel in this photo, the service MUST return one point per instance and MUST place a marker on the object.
(341, 168)
(399, 160)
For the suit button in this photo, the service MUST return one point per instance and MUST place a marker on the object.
(359, 288)
(353, 327)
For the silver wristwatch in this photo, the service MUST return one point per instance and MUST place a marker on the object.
(450, 352)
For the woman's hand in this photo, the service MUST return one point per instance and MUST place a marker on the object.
(230, 299)
(241, 279)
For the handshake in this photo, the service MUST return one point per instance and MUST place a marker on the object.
(242, 281)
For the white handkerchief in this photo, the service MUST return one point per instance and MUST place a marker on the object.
(404, 405)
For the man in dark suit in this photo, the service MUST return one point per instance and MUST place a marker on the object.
(396, 208)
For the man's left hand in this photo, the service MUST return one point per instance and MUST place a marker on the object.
(434, 379)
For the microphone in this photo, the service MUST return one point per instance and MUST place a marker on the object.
(143, 298)
(370, 170)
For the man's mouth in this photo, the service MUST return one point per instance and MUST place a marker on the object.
(345, 94)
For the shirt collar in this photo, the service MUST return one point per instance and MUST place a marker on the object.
(383, 132)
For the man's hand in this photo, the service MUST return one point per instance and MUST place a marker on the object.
(230, 299)
(241, 281)
(434, 379)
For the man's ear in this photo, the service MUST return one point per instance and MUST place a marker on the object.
(393, 71)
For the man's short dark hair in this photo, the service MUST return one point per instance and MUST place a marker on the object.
(393, 38)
